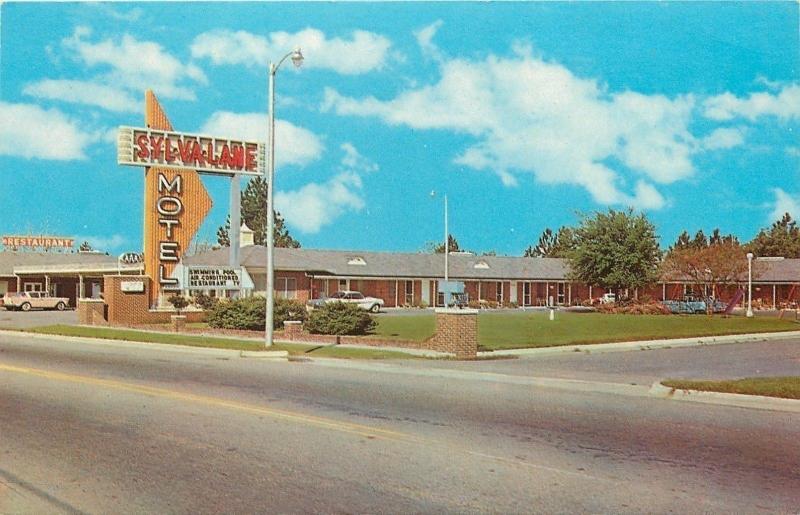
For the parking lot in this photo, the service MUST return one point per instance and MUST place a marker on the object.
(22, 320)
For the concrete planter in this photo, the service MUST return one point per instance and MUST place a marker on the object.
(178, 323)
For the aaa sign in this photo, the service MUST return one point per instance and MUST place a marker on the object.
(205, 154)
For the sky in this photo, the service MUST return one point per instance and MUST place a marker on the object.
(526, 115)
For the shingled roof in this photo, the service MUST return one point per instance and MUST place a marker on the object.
(11, 259)
(391, 264)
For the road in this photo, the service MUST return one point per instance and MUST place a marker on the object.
(98, 429)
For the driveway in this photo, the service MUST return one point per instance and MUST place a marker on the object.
(22, 320)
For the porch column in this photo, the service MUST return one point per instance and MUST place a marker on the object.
(590, 292)
(774, 298)
(47, 283)
(664, 291)
(569, 294)
(19, 283)
(396, 292)
(547, 293)
(81, 293)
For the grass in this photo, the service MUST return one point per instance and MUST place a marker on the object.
(528, 330)
(785, 387)
(294, 349)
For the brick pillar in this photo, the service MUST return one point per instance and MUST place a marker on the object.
(292, 329)
(456, 332)
(91, 312)
(178, 323)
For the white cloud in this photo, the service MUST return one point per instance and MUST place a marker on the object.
(28, 131)
(425, 37)
(316, 205)
(784, 203)
(532, 116)
(84, 92)
(353, 160)
(363, 52)
(722, 138)
(131, 64)
(785, 104)
(293, 145)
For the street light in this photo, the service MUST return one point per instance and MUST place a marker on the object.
(749, 284)
(446, 239)
(297, 59)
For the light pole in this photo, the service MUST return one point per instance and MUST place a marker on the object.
(446, 239)
(749, 284)
(297, 60)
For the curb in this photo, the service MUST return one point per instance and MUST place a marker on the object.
(646, 344)
(129, 344)
(726, 399)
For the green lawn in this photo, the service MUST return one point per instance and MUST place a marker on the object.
(509, 331)
(786, 387)
(294, 349)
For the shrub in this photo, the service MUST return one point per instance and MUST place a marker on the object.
(340, 318)
(249, 313)
(178, 302)
(513, 304)
(289, 309)
(205, 302)
(474, 304)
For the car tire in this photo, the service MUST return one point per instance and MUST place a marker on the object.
(25, 307)
(376, 308)
(61, 306)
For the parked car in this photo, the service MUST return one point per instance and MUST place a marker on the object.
(372, 304)
(27, 300)
(692, 304)
(608, 298)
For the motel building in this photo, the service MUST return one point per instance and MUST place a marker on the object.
(400, 279)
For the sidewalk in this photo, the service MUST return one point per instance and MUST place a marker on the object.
(646, 344)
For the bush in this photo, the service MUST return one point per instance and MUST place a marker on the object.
(205, 302)
(178, 302)
(513, 304)
(249, 313)
(340, 318)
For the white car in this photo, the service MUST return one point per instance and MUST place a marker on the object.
(25, 301)
(372, 304)
(608, 298)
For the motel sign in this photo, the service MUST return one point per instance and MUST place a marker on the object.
(176, 202)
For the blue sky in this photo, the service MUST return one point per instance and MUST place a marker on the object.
(525, 114)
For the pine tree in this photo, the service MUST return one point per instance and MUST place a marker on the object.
(781, 239)
(254, 214)
(452, 244)
(556, 245)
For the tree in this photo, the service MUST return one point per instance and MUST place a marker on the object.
(452, 244)
(615, 250)
(700, 240)
(254, 214)
(85, 247)
(716, 265)
(781, 239)
(553, 245)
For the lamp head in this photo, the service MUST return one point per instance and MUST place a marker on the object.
(297, 57)
(749, 255)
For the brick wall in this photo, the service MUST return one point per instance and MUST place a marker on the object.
(456, 332)
(130, 309)
(91, 312)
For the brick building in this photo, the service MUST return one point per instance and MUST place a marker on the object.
(409, 279)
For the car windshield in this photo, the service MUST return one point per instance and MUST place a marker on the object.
(338, 295)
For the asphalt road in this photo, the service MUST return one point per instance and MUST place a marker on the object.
(98, 429)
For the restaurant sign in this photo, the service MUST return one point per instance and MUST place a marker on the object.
(213, 278)
(205, 154)
(43, 242)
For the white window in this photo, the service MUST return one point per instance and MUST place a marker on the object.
(499, 291)
(526, 294)
(286, 287)
(409, 297)
(34, 287)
